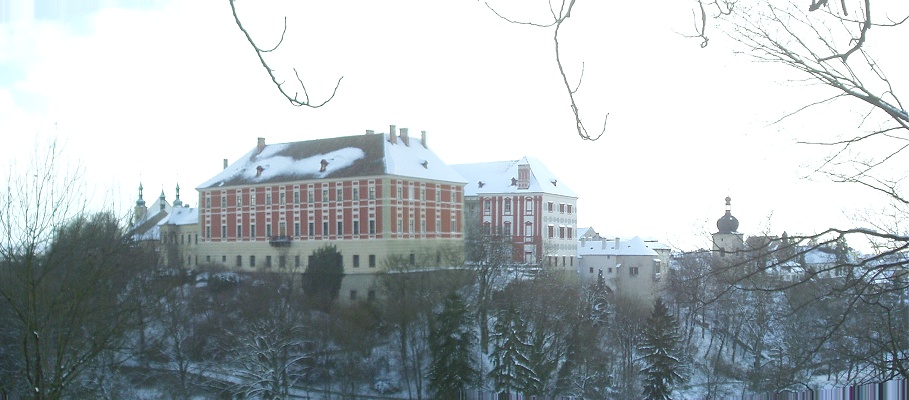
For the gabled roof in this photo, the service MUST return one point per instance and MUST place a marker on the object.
(497, 178)
(631, 247)
(348, 156)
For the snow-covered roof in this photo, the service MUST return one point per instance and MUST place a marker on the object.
(497, 177)
(630, 247)
(181, 216)
(348, 156)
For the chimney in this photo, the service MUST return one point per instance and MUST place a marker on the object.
(370, 132)
(404, 137)
(617, 243)
(225, 163)
(523, 176)
(423, 139)
(260, 145)
(392, 134)
(322, 165)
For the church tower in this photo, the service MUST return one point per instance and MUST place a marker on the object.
(727, 239)
(141, 210)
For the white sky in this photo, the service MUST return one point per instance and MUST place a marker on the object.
(164, 93)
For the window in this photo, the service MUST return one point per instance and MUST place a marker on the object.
(609, 270)
(339, 195)
(239, 261)
(410, 192)
(296, 229)
(633, 270)
(239, 199)
(296, 197)
(562, 208)
(372, 261)
(353, 294)
(400, 226)
(591, 270)
(569, 208)
(356, 261)
(487, 228)
(371, 295)
(422, 225)
(438, 195)
(223, 232)
(355, 193)
(412, 259)
(207, 202)
(325, 228)
(507, 206)
(325, 195)
(410, 226)
(252, 231)
(340, 230)
(252, 198)
(372, 227)
(268, 230)
(197, 238)
(223, 200)
(528, 229)
(438, 224)
(487, 206)
(310, 196)
(208, 259)
(252, 261)
(550, 230)
(267, 261)
(528, 207)
(311, 229)
(569, 232)
(223, 259)
(422, 194)
(282, 262)
(506, 229)
(207, 233)
(239, 232)
(268, 198)
(561, 232)
(372, 192)
(400, 193)
(549, 206)
(282, 197)
(356, 227)
(297, 261)
(282, 228)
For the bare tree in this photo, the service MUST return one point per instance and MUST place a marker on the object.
(64, 276)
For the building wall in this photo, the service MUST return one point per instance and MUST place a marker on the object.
(527, 219)
(365, 216)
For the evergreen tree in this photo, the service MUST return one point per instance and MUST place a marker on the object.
(323, 275)
(450, 342)
(661, 346)
(511, 369)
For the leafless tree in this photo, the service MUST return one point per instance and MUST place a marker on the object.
(64, 275)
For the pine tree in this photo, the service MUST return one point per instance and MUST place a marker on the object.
(661, 347)
(450, 342)
(511, 369)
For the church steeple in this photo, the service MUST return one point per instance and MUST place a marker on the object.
(177, 201)
(161, 200)
(140, 211)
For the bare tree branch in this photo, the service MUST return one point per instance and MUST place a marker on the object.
(294, 100)
(560, 17)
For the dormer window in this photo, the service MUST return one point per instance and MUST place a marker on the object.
(480, 184)
(323, 164)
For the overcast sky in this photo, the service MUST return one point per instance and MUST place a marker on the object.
(164, 91)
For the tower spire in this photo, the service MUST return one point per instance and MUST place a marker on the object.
(177, 201)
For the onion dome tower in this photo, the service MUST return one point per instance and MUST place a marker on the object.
(727, 238)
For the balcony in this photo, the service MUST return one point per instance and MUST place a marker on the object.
(279, 241)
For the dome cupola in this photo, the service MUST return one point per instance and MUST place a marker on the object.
(727, 223)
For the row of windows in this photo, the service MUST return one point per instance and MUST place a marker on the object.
(339, 195)
(562, 230)
(506, 206)
(507, 230)
(281, 261)
(282, 230)
(550, 207)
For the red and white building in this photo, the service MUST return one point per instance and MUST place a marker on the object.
(370, 195)
(523, 199)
